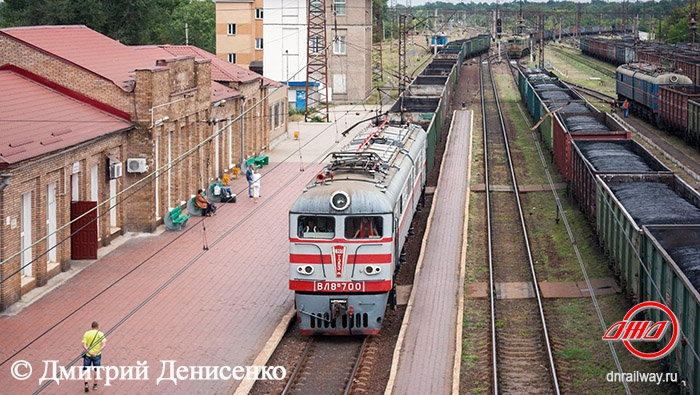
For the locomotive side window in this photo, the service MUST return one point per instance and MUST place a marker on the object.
(366, 227)
(316, 227)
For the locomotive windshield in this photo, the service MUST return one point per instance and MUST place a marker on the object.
(316, 227)
(365, 227)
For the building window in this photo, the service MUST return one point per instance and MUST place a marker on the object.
(340, 84)
(231, 29)
(232, 58)
(340, 7)
(258, 13)
(339, 45)
(258, 43)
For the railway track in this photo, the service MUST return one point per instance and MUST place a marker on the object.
(328, 365)
(521, 353)
(590, 63)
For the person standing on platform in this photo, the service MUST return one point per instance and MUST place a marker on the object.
(249, 176)
(256, 184)
(626, 107)
(93, 344)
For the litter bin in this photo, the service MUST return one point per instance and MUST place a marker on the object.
(262, 160)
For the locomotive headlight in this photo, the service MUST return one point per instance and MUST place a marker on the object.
(340, 200)
(306, 269)
(372, 270)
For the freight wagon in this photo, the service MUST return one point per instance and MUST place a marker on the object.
(593, 157)
(626, 202)
(581, 126)
(671, 275)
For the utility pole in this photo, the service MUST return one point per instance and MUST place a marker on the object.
(692, 23)
(541, 47)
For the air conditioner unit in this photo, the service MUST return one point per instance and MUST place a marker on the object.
(136, 165)
(115, 170)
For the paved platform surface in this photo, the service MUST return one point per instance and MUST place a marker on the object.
(426, 360)
(166, 297)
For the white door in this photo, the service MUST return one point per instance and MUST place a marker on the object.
(94, 191)
(51, 222)
(25, 234)
(113, 203)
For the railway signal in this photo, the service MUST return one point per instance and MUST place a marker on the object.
(499, 27)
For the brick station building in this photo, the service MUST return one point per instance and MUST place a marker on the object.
(121, 133)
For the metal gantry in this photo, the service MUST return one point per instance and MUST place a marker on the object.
(317, 62)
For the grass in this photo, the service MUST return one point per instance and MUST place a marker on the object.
(583, 359)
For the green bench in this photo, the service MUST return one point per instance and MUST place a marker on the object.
(176, 219)
(193, 209)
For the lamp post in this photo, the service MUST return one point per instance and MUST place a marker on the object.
(243, 133)
(286, 53)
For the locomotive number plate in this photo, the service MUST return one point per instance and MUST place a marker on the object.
(339, 286)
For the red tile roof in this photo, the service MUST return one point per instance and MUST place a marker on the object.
(36, 120)
(221, 91)
(87, 49)
(221, 70)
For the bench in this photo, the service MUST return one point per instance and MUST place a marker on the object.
(175, 219)
(193, 209)
(220, 198)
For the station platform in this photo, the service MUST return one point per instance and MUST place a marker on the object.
(428, 350)
(209, 295)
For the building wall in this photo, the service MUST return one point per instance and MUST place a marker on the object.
(171, 109)
(285, 26)
(33, 176)
(248, 28)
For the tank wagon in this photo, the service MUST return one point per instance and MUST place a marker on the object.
(348, 228)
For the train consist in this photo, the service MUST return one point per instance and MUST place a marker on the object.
(647, 220)
(348, 228)
(643, 86)
(518, 45)
(671, 75)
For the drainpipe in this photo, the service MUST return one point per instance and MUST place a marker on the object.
(5, 181)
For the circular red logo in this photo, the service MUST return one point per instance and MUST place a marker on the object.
(674, 338)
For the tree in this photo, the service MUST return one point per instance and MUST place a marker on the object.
(200, 17)
(53, 12)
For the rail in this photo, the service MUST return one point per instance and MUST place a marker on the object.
(497, 131)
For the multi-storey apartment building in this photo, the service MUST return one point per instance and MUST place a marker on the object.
(239, 32)
(285, 22)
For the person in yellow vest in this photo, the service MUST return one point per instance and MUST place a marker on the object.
(93, 343)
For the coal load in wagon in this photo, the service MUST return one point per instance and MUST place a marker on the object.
(613, 157)
(554, 95)
(688, 260)
(572, 108)
(582, 123)
(654, 203)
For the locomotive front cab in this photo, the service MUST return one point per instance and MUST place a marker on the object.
(341, 269)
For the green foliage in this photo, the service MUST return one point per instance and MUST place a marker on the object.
(131, 22)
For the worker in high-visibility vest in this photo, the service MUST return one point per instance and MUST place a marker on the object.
(626, 107)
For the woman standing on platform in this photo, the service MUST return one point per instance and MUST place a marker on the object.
(256, 184)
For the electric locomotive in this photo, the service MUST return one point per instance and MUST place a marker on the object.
(347, 230)
(639, 84)
(518, 46)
